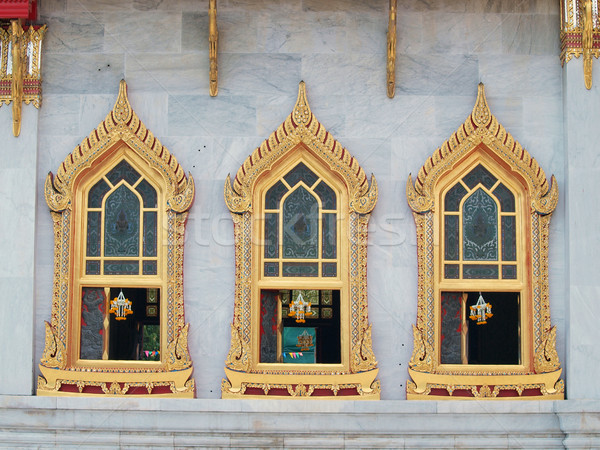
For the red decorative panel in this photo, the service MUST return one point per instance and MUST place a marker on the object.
(18, 9)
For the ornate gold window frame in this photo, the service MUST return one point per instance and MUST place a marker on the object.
(301, 138)
(482, 139)
(121, 135)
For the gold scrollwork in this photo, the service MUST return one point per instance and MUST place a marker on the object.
(236, 203)
(422, 356)
(54, 350)
(183, 201)
(238, 356)
(364, 204)
(546, 356)
(178, 356)
(363, 356)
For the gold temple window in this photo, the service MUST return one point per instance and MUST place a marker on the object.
(482, 206)
(300, 206)
(119, 204)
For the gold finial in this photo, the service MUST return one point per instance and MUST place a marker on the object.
(391, 51)
(481, 112)
(301, 112)
(213, 41)
(122, 110)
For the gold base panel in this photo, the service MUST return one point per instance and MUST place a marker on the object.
(428, 386)
(69, 383)
(356, 386)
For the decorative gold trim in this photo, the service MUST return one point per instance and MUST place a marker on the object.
(304, 137)
(391, 50)
(213, 42)
(121, 133)
(301, 126)
(20, 68)
(482, 133)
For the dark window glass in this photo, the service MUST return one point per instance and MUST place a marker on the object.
(300, 269)
(271, 235)
(123, 171)
(271, 269)
(149, 268)
(122, 223)
(93, 233)
(150, 233)
(148, 194)
(92, 267)
(480, 228)
(451, 238)
(328, 199)
(509, 272)
(121, 268)
(329, 269)
(329, 236)
(484, 271)
(480, 175)
(453, 197)
(509, 239)
(451, 271)
(451, 327)
(92, 323)
(505, 197)
(97, 193)
(300, 225)
(274, 194)
(300, 173)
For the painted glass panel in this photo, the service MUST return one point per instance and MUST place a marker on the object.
(484, 271)
(329, 236)
(480, 228)
(92, 268)
(300, 269)
(97, 193)
(148, 194)
(453, 197)
(509, 239)
(149, 267)
(93, 233)
(300, 173)
(123, 171)
(505, 197)
(509, 272)
(150, 233)
(300, 225)
(121, 268)
(271, 269)
(329, 269)
(328, 198)
(271, 235)
(122, 223)
(480, 175)
(451, 271)
(274, 194)
(92, 323)
(451, 241)
(451, 328)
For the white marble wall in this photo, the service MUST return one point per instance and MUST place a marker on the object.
(266, 47)
(18, 211)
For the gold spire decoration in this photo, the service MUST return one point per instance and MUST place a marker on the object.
(213, 41)
(587, 40)
(391, 51)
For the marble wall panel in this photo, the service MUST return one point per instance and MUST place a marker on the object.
(74, 33)
(77, 73)
(530, 34)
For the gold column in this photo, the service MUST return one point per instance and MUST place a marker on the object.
(391, 51)
(213, 41)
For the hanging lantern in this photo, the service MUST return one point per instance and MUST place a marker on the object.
(120, 307)
(481, 311)
(300, 308)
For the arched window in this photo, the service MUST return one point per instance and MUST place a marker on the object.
(300, 206)
(119, 203)
(482, 207)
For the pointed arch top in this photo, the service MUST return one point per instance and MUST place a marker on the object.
(301, 126)
(120, 125)
(481, 127)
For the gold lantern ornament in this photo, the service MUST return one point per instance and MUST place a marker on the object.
(120, 307)
(300, 308)
(481, 311)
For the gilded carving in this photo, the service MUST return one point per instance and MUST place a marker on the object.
(391, 50)
(213, 42)
(580, 34)
(123, 131)
(20, 69)
(301, 132)
(481, 131)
